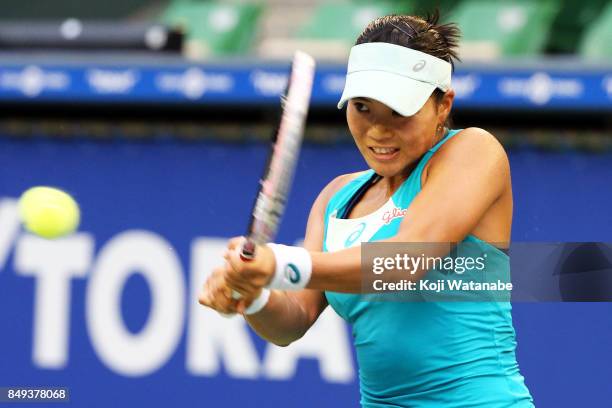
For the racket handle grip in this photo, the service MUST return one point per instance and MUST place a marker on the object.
(247, 254)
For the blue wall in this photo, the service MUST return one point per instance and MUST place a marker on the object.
(182, 191)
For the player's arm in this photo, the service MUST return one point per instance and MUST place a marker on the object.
(288, 314)
(466, 178)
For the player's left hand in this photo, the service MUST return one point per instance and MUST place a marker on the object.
(248, 277)
(217, 295)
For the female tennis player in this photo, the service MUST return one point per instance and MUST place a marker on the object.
(425, 183)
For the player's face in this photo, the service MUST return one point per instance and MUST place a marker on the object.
(390, 143)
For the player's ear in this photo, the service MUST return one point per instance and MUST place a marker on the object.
(445, 105)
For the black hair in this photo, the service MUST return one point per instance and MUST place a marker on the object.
(423, 34)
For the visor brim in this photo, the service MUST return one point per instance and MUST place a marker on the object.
(404, 95)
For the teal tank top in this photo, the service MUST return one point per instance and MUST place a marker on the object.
(425, 354)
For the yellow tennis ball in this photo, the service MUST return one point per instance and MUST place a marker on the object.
(48, 212)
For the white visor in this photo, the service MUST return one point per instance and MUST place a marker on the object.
(400, 77)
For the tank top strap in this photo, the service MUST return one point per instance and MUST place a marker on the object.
(436, 147)
(412, 185)
(419, 169)
(450, 134)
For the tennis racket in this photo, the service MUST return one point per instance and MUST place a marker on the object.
(276, 182)
(286, 142)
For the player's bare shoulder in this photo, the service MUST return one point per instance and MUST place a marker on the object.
(472, 137)
(474, 140)
(471, 152)
(473, 144)
(333, 187)
(342, 180)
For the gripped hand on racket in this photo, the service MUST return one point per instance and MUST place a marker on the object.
(248, 276)
(217, 295)
(231, 288)
(237, 275)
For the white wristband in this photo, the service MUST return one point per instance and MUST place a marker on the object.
(293, 267)
(259, 303)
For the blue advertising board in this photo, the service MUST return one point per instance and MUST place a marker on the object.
(112, 313)
(138, 81)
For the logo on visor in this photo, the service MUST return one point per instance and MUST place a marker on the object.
(419, 66)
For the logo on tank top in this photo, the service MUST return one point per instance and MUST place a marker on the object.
(354, 236)
(392, 214)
